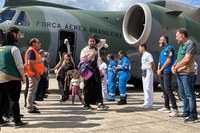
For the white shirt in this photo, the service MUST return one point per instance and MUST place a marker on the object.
(86, 52)
(195, 67)
(146, 60)
(103, 67)
(17, 57)
(76, 82)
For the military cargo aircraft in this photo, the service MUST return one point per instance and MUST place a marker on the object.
(141, 23)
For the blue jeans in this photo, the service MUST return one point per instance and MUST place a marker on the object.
(187, 93)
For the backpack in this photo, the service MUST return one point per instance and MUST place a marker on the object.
(85, 70)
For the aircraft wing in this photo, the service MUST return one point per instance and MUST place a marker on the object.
(14, 3)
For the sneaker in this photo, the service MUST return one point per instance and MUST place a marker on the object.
(20, 124)
(21, 115)
(45, 96)
(34, 103)
(183, 115)
(25, 107)
(34, 112)
(11, 119)
(102, 107)
(190, 120)
(88, 107)
(166, 110)
(39, 99)
(63, 98)
(174, 113)
(142, 105)
(35, 108)
(4, 123)
(147, 106)
(7, 118)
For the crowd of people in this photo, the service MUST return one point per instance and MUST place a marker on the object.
(182, 65)
(100, 80)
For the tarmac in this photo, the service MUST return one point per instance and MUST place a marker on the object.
(58, 117)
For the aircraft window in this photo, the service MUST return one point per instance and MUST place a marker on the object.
(22, 20)
(7, 15)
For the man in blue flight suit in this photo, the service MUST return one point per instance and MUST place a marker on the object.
(166, 60)
(111, 77)
(123, 71)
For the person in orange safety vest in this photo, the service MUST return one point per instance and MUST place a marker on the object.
(34, 69)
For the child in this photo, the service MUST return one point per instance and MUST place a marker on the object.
(103, 71)
(75, 86)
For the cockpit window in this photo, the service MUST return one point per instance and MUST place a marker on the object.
(22, 19)
(7, 15)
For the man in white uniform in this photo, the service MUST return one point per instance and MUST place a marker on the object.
(147, 76)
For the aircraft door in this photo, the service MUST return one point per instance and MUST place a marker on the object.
(66, 43)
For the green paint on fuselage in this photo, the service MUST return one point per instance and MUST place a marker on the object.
(175, 22)
(32, 31)
(45, 26)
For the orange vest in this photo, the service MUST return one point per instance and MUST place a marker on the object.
(37, 62)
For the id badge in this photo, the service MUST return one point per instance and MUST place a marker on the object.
(144, 73)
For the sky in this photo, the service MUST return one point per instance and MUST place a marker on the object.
(108, 5)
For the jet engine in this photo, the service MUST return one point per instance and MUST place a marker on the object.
(137, 24)
(147, 22)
